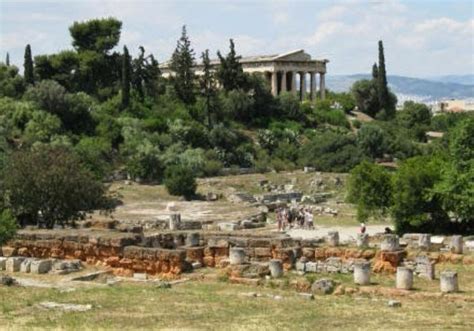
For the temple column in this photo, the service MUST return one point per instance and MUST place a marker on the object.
(302, 85)
(274, 83)
(322, 85)
(283, 82)
(313, 86)
(293, 82)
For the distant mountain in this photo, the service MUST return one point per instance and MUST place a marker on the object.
(458, 79)
(407, 88)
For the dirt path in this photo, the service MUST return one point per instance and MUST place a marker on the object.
(345, 232)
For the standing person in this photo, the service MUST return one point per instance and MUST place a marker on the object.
(362, 228)
(278, 218)
(309, 219)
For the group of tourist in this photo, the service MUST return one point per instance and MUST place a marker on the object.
(290, 218)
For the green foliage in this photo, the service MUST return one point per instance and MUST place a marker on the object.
(330, 151)
(208, 87)
(49, 185)
(366, 97)
(289, 106)
(126, 72)
(96, 154)
(97, 35)
(8, 226)
(324, 113)
(182, 63)
(180, 180)
(42, 127)
(230, 72)
(28, 73)
(414, 207)
(11, 83)
(146, 75)
(48, 95)
(370, 189)
(372, 140)
(385, 102)
(457, 185)
(373, 97)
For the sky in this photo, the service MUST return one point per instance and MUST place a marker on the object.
(421, 37)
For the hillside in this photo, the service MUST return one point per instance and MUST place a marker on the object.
(408, 87)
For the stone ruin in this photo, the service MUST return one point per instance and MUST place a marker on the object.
(240, 255)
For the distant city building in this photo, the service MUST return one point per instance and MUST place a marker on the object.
(287, 72)
(453, 106)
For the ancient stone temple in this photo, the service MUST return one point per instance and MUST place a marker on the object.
(293, 72)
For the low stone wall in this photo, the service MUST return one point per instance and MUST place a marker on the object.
(113, 249)
(173, 252)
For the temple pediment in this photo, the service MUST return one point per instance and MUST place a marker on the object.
(297, 55)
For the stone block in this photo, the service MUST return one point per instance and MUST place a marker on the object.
(3, 263)
(404, 279)
(390, 243)
(312, 267)
(40, 266)
(362, 273)
(228, 226)
(300, 266)
(276, 268)
(323, 286)
(13, 264)
(237, 255)
(25, 266)
(449, 282)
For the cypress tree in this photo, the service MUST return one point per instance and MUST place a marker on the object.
(230, 74)
(182, 63)
(7, 60)
(208, 88)
(28, 65)
(382, 88)
(375, 72)
(125, 78)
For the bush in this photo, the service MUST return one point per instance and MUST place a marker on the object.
(49, 185)
(8, 226)
(330, 151)
(180, 180)
(370, 188)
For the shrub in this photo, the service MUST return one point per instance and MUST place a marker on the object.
(50, 185)
(180, 180)
(8, 226)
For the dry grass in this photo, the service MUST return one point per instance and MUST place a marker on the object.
(214, 305)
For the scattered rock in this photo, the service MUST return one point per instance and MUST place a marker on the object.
(307, 296)
(323, 286)
(7, 281)
(196, 265)
(394, 303)
(163, 285)
(65, 306)
(140, 276)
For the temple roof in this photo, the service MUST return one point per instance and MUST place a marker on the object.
(296, 55)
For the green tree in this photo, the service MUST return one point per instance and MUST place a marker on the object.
(415, 208)
(180, 180)
(8, 226)
(126, 72)
(11, 83)
(230, 72)
(375, 72)
(366, 97)
(370, 189)
(7, 60)
(182, 63)
(385, 101)
(49, 185)
(372, 140)
(208, 86)
(28, 65)
(456, 187)
(98, 35)
(145, 75)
